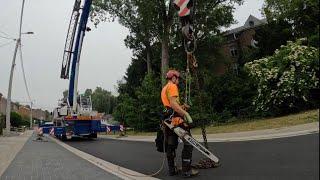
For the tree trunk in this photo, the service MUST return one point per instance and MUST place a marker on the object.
(149, 67)
(167, 19)
(164, 59)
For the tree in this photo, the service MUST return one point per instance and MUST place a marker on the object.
(154, 21)
(88, 92)
(285, 78)
(134, 15)
(102, 100)
(302, 15)
(126, 111)
(148, 102)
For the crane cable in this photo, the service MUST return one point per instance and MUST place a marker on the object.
(190, 46)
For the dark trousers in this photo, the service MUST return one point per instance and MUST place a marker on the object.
(172, 144)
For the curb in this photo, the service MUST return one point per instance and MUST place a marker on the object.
(271, 135)
(264, 137)
(116, 170)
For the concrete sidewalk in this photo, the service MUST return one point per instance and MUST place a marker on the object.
(239, 136)
(48, 160)
(9, 147)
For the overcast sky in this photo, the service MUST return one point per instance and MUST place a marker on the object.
(104, 57)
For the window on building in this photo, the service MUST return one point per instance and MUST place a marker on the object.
(251, 23)
(235, 68)
(233, 52)
(230, 37)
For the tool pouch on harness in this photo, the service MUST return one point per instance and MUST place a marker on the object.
(160, 145)
(160, 141)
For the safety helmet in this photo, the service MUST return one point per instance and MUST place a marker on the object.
(172, 73)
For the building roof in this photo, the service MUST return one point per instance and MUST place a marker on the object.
(250, 23)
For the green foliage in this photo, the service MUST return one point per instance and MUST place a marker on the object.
(270, 37)
(285, 78)
(149, 105)
(154, 25)
(302, 15)
(126, 111)
(102, 100)
(16, 120)
(142, 112)
(232, 95)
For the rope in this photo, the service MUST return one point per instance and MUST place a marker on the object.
(155, 173)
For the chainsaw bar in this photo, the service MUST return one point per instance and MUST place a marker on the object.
(184, 135)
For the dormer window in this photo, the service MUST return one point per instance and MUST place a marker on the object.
(251, 23)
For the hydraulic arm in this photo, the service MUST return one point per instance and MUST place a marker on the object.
(73, 45)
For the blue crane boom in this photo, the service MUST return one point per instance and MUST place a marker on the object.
(76, 116)
(73, 48)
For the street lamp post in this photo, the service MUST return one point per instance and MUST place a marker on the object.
(31, 118)
(18, 41)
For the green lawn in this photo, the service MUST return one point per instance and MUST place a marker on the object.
(255, 124)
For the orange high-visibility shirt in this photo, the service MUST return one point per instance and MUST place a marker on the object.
(169, 90)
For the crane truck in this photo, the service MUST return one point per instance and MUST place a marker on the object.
(74, 115)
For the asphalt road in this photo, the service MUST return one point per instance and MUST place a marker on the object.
(292, 158)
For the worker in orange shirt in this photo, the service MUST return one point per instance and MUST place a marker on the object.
(178, 116)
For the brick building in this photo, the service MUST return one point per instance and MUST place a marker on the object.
(238, 39)
(23, 110)
(3, 105)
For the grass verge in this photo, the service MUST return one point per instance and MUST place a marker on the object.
(251, 125)
(260, 124)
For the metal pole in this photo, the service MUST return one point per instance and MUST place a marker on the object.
(8, 110)
(31, 118)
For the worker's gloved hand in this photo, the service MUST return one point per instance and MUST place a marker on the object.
(188, 118)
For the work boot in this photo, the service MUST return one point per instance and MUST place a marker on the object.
(187, 171)
(192, 172)
(173, 171)
(172, 167)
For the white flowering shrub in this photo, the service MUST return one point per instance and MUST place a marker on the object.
(285, 78)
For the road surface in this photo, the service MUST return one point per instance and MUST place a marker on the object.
(293, 158)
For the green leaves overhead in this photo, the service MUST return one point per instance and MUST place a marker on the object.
(301, 14)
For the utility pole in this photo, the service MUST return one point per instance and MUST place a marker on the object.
(31, 118)
(1, 123)
(18, 41)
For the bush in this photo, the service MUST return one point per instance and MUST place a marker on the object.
(232, 95)
(285, 78)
